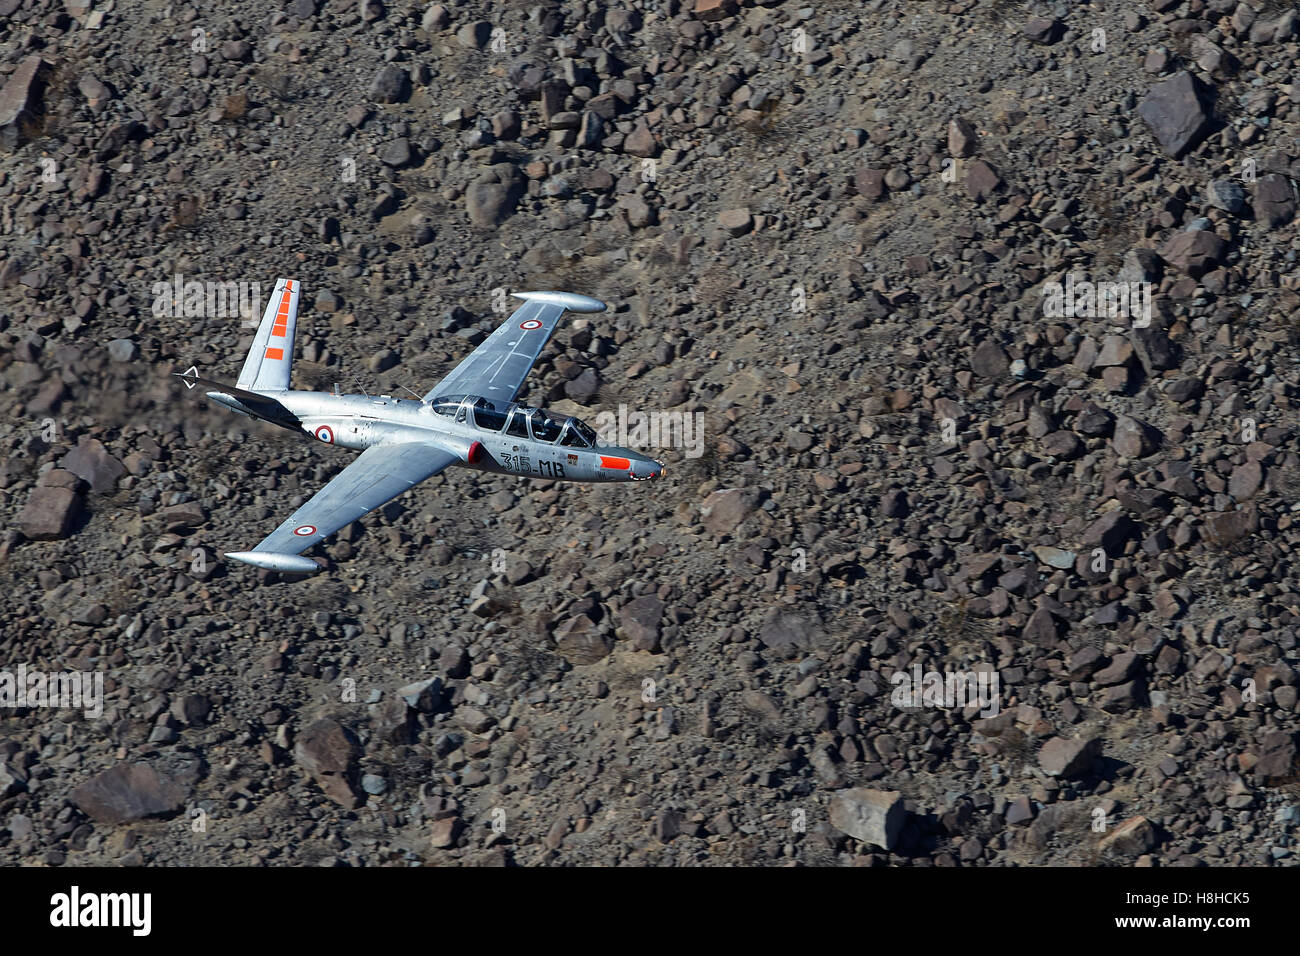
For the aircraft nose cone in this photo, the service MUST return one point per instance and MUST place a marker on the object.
(645, 469)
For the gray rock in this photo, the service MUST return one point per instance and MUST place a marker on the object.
(788, 633)
(640, 214)
(95, 92)
(91, 461)
(872, 816)
(1055, 557)
(396, 153)
(383, 360)
(639, 621)
(1175, 110)
(1275, 202)
(11, 781)
(1068, 757)
(584, 388)
(474, 35)
(591, 132)
(989, 360)
(1227, 194)
(435, 19)
(490, 203)
(390, 85)
(424, 695)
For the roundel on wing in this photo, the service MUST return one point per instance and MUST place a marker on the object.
(325, 434)
(530, 324)
(303, 530)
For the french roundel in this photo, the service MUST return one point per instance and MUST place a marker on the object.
(530, 324)
(304, 530)
(325, 434)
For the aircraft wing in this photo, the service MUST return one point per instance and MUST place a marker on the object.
(498, 367)
(378, 475)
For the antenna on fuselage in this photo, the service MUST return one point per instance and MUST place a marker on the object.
(413, 392)
(360, 386)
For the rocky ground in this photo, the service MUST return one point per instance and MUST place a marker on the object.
(828, 228)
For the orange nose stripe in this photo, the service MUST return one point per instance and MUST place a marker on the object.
(622, 464)
(275, 353)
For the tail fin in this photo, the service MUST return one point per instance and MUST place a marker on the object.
(267, 367)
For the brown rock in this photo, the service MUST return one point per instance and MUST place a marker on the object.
(725, 509)
(580, 641)
(961, 137)
(474, 720)
(1042, 30)
(1135, 835)
(1245, 480)
(736, 222)
(1194, 252)
(129, 791)
(1132, 439)
(1041, 628)
(1225, 527)
(329, 752)
(20, 102)
(640, 142)
(1123, 668)
(1167, 604)
(711, 10)
(981, 180)
(1277, 753)
(639, 621)
(870, 183)
(445, 832)
(49, 513)
(1110, 531)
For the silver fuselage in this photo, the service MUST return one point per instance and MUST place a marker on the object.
(359, 421)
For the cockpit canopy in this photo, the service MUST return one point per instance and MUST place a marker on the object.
(519, 421)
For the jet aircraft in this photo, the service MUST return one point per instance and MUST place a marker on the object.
(470, 418)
